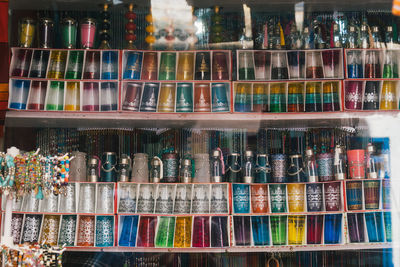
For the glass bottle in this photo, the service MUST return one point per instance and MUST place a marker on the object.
(337, 38)
(371, 164)
(354, 64)
(352, 40)
(389, 37)
(156, 170)
(233, 170)
(249, 167)
(319, 41)
(311, 166)
(216, 166)
(124, 169)
(276, 38)
(306, 39)
(339, 163)
(294, 39)
(364, 36)
(93, 170)
(376, 36)
(185, 172)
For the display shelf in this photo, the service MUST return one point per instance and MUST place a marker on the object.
(192, 120)
(288, 248)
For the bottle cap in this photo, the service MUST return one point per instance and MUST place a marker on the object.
(309, 152)
(123, 161)
(370, 148)
(389, 29)
(375, 29)
(216, 153)
(339, 149)
(187, 162)
(93, 161)
(364, 28)
(248, 153)
(155, 162)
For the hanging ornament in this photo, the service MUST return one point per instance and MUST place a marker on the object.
(150, 29)
(105, 28)
(216, 27)
(130, 27)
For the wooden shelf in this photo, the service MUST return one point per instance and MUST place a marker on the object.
(121, 119)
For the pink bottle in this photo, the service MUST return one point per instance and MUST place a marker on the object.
(88, 32)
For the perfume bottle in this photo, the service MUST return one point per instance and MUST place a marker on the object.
(249, 167)
(294, 39)
(185, 172)
(156, 173)
(276, 38)
(306, 39)
(364, 36)
(352, 40)
(311, 166)
(339, 163)
(389, 37)
(376, 36)
(216, 166)
(390, 69)
(319, 40)
(337, 38)
(371, 162)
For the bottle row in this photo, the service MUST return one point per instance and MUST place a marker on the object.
(135, 65)
(206, 65)
(311, 229)
(215, 65)
(176, 97)
(213, 198)
(68, 230)
(371, 95)
(65, 64)
(316, 96)
(322, 96)
(292, 65)
(56, 95)
(362, 161)
(201, 231)
(75, 198)
(372, 64)
(310, 197)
